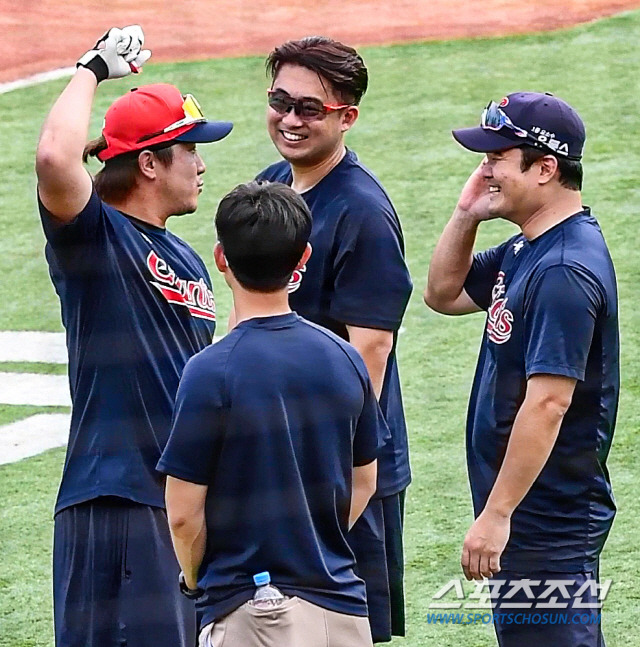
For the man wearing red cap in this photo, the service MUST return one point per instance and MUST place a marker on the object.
(543, 405)
(136, 303)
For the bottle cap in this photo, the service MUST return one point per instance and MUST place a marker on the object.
(260, 579)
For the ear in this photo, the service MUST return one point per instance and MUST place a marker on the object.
(147, 164)
(349, 117)
(305, 257)
(220, 259)
(548, 167)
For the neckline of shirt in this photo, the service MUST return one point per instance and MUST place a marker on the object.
(586, 211)
(273, 321)
(147, 226)
(349, 155)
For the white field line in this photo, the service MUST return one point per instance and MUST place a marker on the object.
(34, 389)
(36, 79)
(33, 436)
(23, 346)
(44, 431)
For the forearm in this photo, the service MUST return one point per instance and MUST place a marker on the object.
(451, 260)
(533, 436)
(189, 538)
(362, 489)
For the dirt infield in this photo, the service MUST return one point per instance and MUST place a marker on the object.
(41, 35)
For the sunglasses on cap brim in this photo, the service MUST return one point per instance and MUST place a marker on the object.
(192, 115)
(495, 118)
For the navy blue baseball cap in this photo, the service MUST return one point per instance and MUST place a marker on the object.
(538, 119)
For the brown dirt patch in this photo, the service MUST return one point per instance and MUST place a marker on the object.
(41, 35)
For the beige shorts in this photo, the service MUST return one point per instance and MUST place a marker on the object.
(294, 623)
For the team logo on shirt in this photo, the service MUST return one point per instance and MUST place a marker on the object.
(296, 279)
(193, 295)
(499, 320)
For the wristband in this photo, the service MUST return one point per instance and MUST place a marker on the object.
(192, 594)
(97, 66)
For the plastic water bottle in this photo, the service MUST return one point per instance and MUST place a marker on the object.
(266, 595)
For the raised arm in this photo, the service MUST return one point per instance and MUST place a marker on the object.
(64, 185)
(453, 254)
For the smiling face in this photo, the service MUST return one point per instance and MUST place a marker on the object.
(308, 143)
(181, 181)
(512, 191)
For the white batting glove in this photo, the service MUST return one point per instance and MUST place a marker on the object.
(118, 53)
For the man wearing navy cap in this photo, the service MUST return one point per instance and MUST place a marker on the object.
(543, 405)
(136, 303)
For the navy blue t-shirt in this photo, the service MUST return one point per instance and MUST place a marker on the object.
(551, 309)
(272, 419)
(357, 275)
(136, 304)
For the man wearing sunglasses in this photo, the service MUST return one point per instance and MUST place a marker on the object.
(356, 282)
(136, 303)
(543, 405)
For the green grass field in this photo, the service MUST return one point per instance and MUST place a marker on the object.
(418, 92)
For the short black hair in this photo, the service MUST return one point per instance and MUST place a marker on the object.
(263, 228)
(570, 170)
(334, 61)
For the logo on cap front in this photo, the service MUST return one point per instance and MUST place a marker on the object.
(504, 102)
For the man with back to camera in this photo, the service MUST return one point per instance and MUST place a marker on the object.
(356, 282)
(136, 304)
(543, 405)
(270, 460)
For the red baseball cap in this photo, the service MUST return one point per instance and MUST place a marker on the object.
(154, 114)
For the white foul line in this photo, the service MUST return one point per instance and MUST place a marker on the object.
(36, 79)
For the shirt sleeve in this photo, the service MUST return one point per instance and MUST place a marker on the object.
(197, 427)
(275, 173)
(76, 243)
(483, 274)
(372, 284)
(82, 226)
(372, 431)
(561, 307)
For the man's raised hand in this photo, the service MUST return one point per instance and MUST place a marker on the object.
(117, 53)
